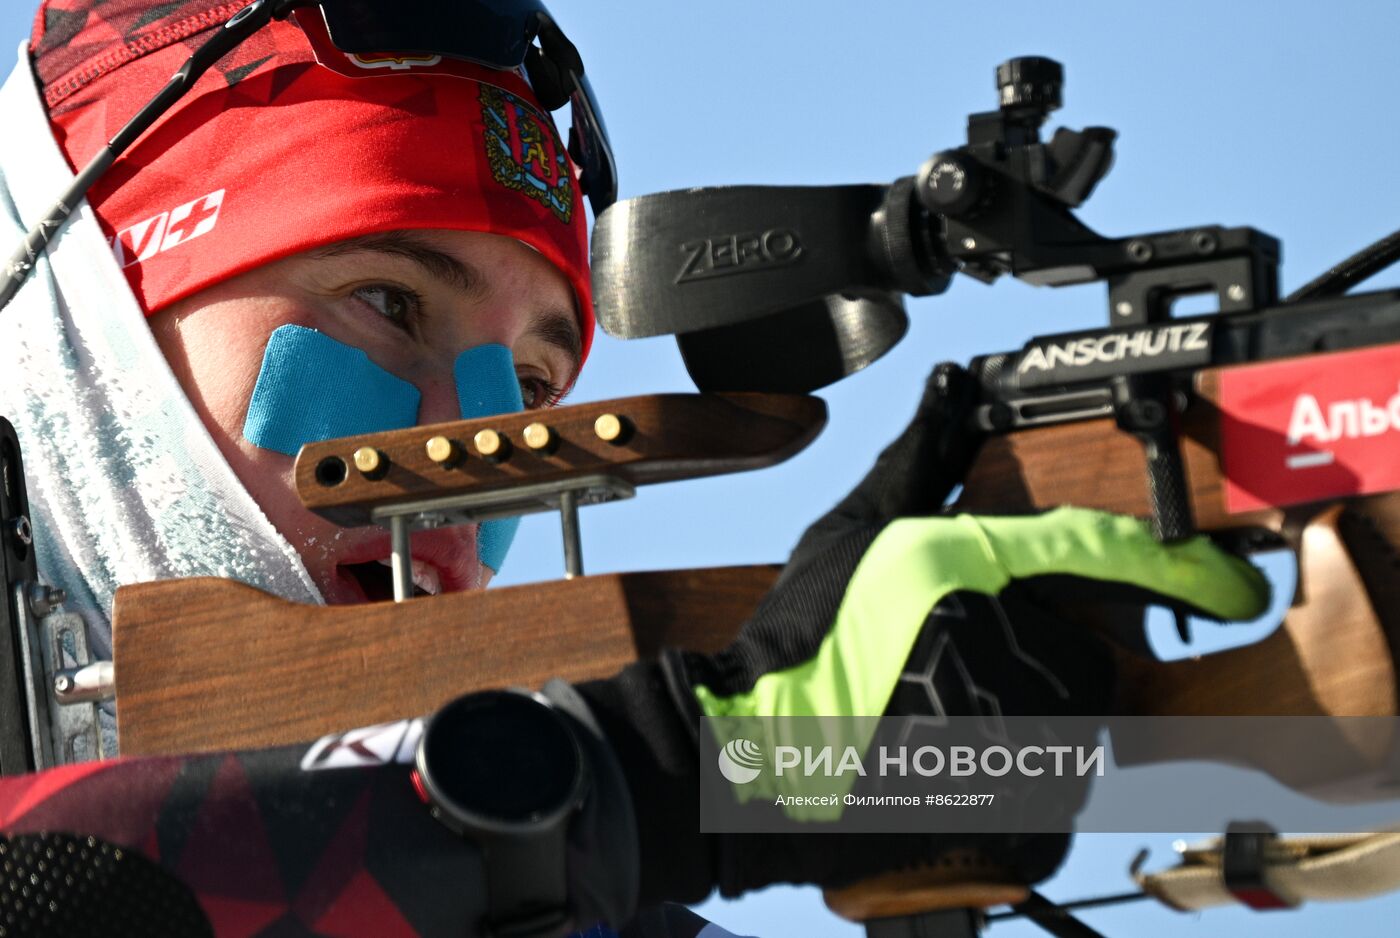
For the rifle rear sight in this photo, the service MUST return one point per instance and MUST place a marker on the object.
(1001, 204)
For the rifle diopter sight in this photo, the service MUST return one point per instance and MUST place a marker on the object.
(1000, 204)
(1005, 172)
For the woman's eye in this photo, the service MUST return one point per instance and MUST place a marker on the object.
(395, 304)
(537, 392)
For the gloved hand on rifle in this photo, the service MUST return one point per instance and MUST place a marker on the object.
(867, 592)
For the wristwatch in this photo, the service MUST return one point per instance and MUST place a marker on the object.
(505, 770)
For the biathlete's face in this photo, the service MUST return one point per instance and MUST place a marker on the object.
(412, 301)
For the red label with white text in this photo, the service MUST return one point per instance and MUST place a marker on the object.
(1308, 429)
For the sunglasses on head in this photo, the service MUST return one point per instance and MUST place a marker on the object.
(517, 35)
(504, 34)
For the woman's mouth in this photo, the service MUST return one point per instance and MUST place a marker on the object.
(376, 579)
(444, 561)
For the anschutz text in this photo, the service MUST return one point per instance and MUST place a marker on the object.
(1116, 347)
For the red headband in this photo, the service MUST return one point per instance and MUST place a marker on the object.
(272, 154)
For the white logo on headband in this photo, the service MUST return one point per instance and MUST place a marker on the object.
(160, 233)
(396, 62)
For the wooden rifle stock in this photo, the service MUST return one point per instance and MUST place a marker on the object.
(207, 664)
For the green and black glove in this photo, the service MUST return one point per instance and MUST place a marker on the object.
(884, 585)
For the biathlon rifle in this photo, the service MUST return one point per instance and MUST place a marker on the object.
(1266, 423)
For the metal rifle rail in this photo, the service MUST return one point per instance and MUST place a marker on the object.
(1039, 385)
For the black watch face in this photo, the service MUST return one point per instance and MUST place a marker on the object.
(504, 756)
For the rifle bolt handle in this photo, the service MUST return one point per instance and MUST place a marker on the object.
(92, 682)
(492, 445)
(612, 428)
(443, 451)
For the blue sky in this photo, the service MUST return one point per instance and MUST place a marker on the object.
(1279, 115)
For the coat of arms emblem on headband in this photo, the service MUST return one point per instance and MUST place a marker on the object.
(525, 152)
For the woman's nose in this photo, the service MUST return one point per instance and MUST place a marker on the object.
(439, 403)
(481, 381)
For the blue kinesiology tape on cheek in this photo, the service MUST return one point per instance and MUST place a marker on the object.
(493, 540)
(486, 382)
(486, 386)
(313, 388)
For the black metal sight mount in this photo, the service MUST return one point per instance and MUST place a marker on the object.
(793, 288)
